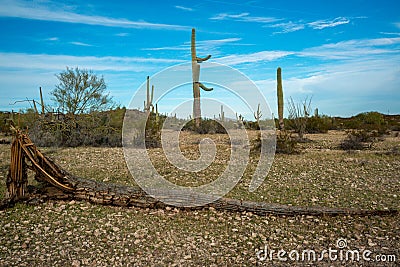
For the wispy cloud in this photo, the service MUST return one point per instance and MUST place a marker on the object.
(252, 57)
(35, 11)
(184, 8)
(287, 27)
(57, 62)
(52, 39)
(322, 24)
(122, 34)
(80, 44)
(397, 24)
(201, 45)
(353, 48)
(244, 17)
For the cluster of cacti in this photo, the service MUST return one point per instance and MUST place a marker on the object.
(280, 98)
(196, 84)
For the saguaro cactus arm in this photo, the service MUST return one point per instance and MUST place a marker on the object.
(201, 59)
(205, 88)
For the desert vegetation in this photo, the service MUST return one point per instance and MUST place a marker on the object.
(321, 161)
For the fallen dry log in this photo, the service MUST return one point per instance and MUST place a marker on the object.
(59, 184)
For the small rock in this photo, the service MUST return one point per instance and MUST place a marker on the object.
(76, 263)
(370, 243)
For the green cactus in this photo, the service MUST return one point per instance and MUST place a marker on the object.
(148, 106)
(222, 114)
(258, 114)
(280, 98)
(196, 84)
(316, 113)
(41, 100)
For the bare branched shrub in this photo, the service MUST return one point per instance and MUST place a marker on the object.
(298, 116)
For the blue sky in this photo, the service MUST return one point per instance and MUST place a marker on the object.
(343, 54)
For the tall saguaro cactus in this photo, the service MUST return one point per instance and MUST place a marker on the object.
(280, 98)
(196, 84)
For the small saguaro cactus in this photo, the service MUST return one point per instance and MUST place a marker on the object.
(222, 114)
(280, 98)
(196, 84)
(258, 114)
(148, 106)
(41, 99)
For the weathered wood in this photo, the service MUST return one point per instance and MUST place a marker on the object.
(62, 185)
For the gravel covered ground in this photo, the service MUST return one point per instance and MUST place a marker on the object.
(81, 234)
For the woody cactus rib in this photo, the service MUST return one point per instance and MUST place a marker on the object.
(59, 184)
(196, 83)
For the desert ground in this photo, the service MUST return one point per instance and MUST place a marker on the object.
(71, 233)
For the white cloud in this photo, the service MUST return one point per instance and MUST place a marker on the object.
(122, 34)
(353, 48)
(52, 39)
(184, 8)
(322, 24)
(244, 17)
(252, 57)
(342, 88)
(59, 62)
(80, 44)
(287, 27)
(201, 45)
(34, 11)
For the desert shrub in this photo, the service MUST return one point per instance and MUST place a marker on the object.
(299, 115)
(285, 143)
(93, 129)
(371, 121)
(207, 126)
(153, 130)
(252, 125)
(359, 139)
(319, 124)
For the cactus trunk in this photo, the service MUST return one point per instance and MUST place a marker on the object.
(196, 84)
(280, 98)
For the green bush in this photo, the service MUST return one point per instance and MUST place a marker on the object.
(207, 126)
(359, 139)
(319, 124)
(93, 129)
(285, 143)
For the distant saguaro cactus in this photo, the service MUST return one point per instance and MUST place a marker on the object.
(222, 114)
(258, 114)
(196, 84)
(149, 103)
(280, 98)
